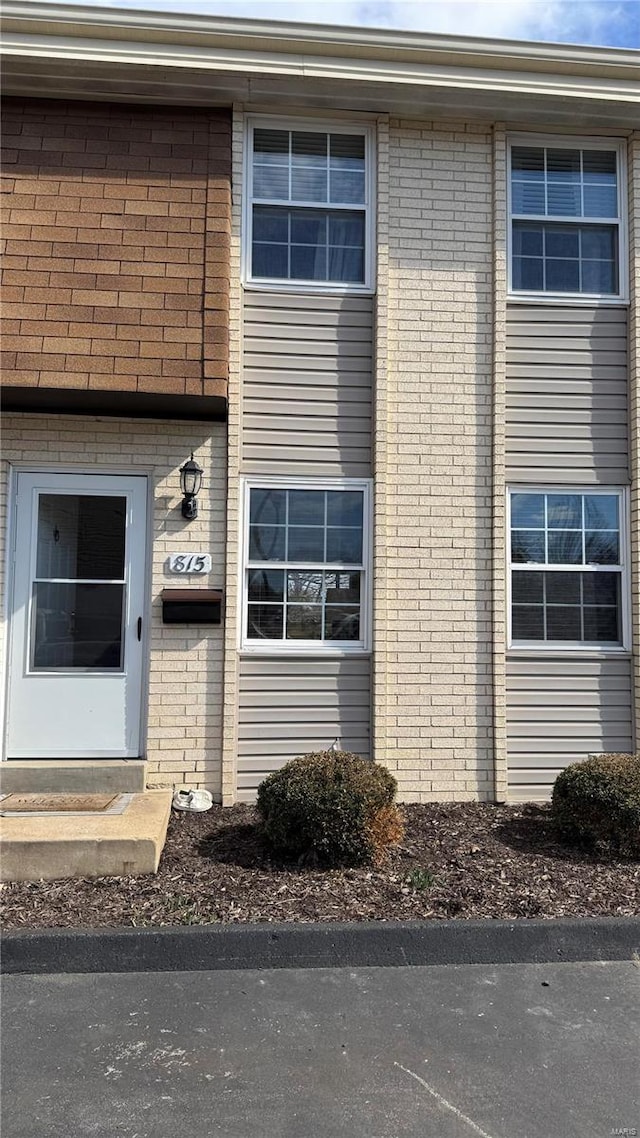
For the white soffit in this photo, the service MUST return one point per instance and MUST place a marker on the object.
(78, 52)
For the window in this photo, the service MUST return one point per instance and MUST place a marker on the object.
(308, 202)
(567, 568)
(305, 566)
(566, 210)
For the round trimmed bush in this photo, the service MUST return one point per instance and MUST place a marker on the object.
(596, 803)
(330, 808)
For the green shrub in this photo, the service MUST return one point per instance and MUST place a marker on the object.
(597, 803)
(331, 808)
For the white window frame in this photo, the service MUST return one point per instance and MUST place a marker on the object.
(277, 284)
(573, 142)
(569, 647)
(309, 647)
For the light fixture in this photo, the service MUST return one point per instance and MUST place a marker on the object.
(190, 483)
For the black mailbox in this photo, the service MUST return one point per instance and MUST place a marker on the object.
(191, 606)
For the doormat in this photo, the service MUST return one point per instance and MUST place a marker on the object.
(63, 803)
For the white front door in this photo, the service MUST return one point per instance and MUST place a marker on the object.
(76, 618)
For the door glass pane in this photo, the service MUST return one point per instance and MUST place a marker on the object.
(76, 625)
(81, 536)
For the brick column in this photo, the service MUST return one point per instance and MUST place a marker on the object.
(499, 598)
(382, 679)
(230, 696)
(439, 549)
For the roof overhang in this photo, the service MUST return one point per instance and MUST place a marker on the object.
(79, 52)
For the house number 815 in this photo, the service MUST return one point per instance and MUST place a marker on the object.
(190, 563)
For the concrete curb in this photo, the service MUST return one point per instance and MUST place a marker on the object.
(325, 945)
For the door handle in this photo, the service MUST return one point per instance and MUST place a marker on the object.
(139, 628)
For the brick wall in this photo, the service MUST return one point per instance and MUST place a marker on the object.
(116, 229)
(433, 623)
(234, 445)
(185, 663)
(499, 528)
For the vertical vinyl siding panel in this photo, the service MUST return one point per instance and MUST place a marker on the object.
(307, 365)
(567, 412)
(559, 712)
(291, 706)
(306, 410)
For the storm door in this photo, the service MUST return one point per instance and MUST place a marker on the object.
(76, 617)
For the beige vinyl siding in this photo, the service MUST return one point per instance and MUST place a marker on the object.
(291, 706)
(560, 711)
(307, 381)
(566, 398)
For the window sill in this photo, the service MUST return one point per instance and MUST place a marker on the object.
(303, 287)
(568, 300)
(276, 649)
(561, 653)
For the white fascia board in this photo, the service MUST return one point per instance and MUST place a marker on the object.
(61, 33)
(308, 38)
(184, 58)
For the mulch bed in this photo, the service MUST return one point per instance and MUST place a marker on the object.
(460, 861)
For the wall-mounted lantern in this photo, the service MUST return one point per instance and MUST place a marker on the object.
(190, 483)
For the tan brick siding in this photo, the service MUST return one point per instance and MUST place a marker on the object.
(499, 520)
(436, 545)
(234, 446)
(382, 681)
(116, 228)
(185, 664)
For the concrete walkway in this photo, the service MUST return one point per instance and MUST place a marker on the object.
(507, 1051)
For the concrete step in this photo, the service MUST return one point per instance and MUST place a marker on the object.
(47, 847)
(72, 776)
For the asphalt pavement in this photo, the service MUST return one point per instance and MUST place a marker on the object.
(452, 1051)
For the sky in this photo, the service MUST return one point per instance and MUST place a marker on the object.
(612, 23)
